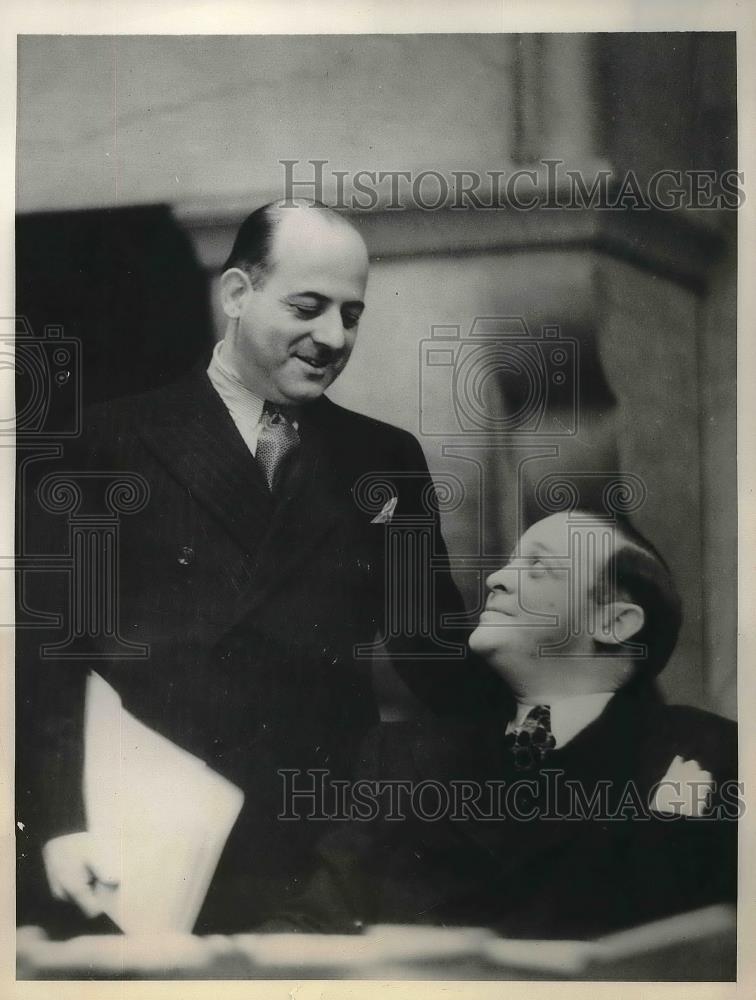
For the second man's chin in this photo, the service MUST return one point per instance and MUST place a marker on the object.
(479, 640)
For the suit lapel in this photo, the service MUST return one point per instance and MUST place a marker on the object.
(193, 435)
(607, 748)
(603, 750)
(311, 504)
(506, 841)
(475, 753)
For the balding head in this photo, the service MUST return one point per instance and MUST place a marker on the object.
(256, 249)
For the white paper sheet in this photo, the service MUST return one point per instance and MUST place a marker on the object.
(160, 813)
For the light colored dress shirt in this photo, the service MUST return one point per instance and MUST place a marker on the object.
(569, 715)
(244, 407)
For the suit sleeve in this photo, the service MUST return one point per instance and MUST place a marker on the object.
(447, 683)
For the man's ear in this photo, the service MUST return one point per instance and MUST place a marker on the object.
(234, 288)
(620, 621)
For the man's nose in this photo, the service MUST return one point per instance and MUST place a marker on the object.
(503, 579)
(329, 330)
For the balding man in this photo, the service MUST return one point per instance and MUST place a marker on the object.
(594, 807)
(252, 574)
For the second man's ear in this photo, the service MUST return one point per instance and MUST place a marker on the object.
(620, 621)
(234, 288)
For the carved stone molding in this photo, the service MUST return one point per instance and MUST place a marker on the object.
(669, 245)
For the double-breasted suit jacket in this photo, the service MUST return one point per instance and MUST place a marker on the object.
(251, 609)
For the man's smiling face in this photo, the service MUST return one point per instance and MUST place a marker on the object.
(295, 331)
(543, 597)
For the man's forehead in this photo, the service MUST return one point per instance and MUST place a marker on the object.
(311, 233)
(328, 258)
(553, 534)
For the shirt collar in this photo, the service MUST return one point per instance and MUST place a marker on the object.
(242, 403)
(569, 715)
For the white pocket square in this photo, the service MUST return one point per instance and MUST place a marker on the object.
(684, 790)
(387, 513)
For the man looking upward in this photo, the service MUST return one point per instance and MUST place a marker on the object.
(594, 808)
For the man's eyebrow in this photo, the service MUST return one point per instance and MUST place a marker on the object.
(523, 552)
(540, 547)
(307, 295)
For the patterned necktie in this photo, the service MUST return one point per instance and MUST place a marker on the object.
(278, 438)
(532, 739)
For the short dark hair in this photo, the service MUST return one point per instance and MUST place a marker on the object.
(637, 572)
(254, 241)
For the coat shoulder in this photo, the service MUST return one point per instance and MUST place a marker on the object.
(699, 723)
(147, 406)
(365, 428)
(115, 426)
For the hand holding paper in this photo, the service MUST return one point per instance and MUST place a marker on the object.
(78, 867)
(158, 815)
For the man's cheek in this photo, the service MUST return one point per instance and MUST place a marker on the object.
(531, 601)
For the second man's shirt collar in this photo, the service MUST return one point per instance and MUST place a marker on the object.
(569, 715)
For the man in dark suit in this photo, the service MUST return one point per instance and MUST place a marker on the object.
(251, 574)
(594, 808)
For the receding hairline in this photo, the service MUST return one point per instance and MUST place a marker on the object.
(627, 538)
(254, 250)
(587, 519)
(275, 213)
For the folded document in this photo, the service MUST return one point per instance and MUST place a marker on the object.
(161, 814)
